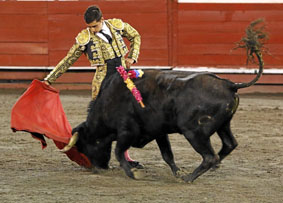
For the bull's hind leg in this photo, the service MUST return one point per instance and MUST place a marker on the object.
(229, 142)
(201, 143)
(166, 152)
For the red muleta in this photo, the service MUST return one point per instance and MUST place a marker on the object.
(39, 111)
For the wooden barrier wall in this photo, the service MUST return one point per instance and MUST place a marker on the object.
(173, 34)
(40, 33)
(207, 33)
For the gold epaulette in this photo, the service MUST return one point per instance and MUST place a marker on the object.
(116, 23)
(83, 37)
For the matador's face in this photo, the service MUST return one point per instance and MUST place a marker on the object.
(95, 26)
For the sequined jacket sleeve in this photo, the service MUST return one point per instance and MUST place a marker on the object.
(74, 53)
(135, 41)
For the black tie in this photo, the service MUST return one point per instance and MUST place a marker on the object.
(107, 36)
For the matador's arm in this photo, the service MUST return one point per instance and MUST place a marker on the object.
(74, 53)
(135, 41)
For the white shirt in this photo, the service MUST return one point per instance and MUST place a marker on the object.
(106, 30)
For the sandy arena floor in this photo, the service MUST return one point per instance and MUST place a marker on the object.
(252, 173)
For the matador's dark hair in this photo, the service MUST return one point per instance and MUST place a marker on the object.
(92, 13)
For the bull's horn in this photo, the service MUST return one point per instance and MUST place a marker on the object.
(71, 143)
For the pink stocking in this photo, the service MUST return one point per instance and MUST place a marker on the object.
(127, 156)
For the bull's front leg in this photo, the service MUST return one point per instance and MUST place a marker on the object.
(166, 152)
(119, 153)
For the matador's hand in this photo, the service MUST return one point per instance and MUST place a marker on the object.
(129, 62)
(46, 82)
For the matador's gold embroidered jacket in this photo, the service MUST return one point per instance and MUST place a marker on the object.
(97, 50)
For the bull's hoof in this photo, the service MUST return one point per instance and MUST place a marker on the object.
(188, 178)
(180, 173)
(182, 176)
(216, 166)
(138, 174)
(136, 164)
(217, 163)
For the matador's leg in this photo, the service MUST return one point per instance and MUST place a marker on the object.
(97, 80)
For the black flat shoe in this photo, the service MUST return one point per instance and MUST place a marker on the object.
(136, 164)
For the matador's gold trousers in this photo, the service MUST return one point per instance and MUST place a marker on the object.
(99, 77)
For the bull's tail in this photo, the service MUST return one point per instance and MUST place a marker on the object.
(258, 75)
(253, 42)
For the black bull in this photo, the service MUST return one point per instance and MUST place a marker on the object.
(195, 105)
